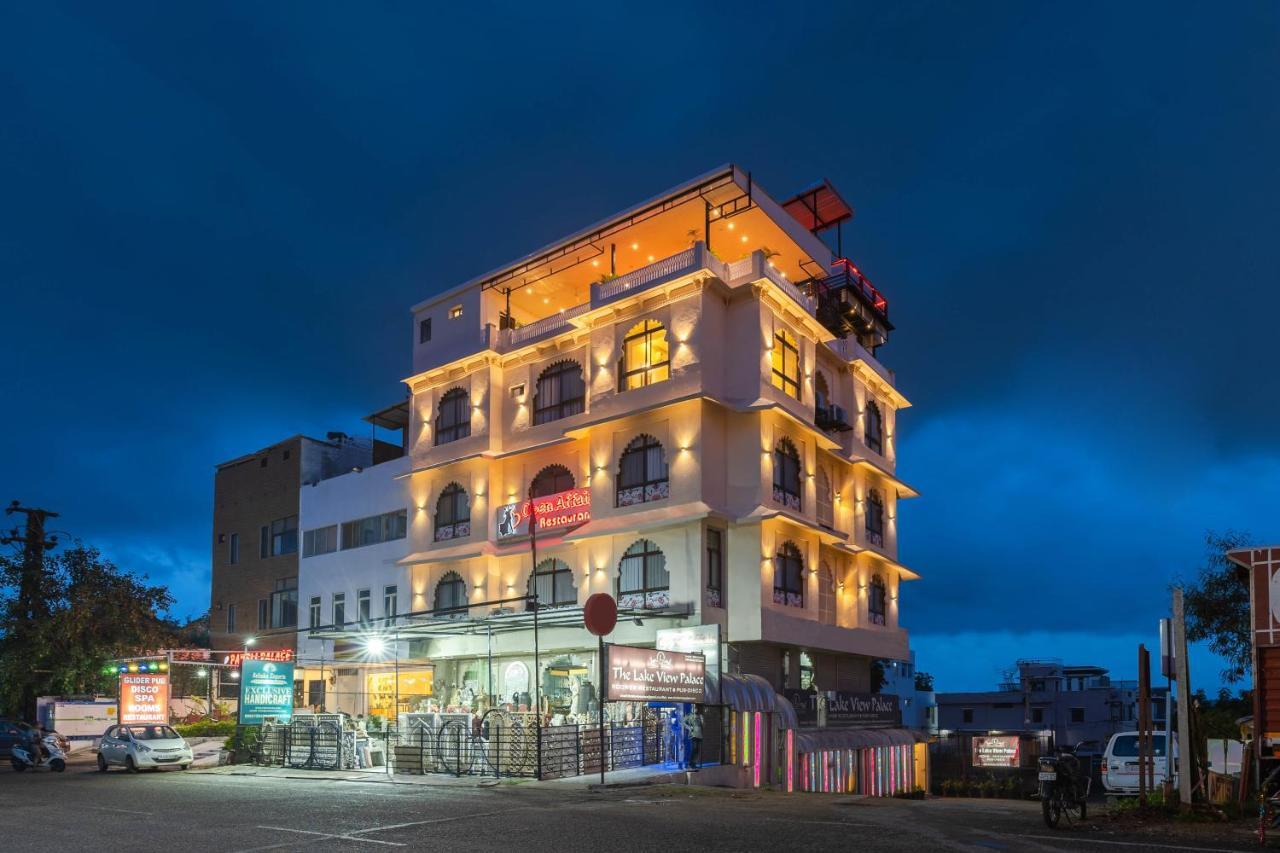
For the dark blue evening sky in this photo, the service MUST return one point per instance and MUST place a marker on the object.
(214, 218)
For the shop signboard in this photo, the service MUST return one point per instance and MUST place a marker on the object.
(698, 639)
(266, 690)
(277, 655)
(995, 751)
(555, 512)
(653, 675)
(144, 697)
(847, 710)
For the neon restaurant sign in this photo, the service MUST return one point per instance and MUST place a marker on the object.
(554, 512)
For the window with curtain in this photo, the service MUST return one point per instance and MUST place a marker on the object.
(826, 511)
(876, 600)
(874, 428)
(453, 416)
(453, 513)
(786, 475)
(552, 583)
(551, 481)
(826, 595)
(643, 580)
(645, 356)
(560, 392)
(715, 567)
(821, 391)
(788, 576)
(786, 363)
(451, 596)
(642, 472)
(875, 517)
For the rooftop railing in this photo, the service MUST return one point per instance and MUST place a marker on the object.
(751, 268)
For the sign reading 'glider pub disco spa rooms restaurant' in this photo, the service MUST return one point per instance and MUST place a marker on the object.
(653, 675)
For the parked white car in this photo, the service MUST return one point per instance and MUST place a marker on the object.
(139, 747)
(1120, 762)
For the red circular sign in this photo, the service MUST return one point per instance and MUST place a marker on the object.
(600, 614)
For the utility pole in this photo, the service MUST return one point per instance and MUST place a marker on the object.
(31, 606)
(1183, 677)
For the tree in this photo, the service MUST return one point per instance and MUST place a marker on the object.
(877, 676)
(1217, 605)
(91, 612)
(924, 681)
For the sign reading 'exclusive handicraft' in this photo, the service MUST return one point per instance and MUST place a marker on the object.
(653, 675)
(266, 690)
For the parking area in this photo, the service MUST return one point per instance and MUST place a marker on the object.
(226, 810)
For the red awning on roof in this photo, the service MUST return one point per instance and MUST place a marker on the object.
(818, 207)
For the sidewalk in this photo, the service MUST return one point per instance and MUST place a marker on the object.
(630, 777)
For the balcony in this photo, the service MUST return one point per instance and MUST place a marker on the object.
(831, 418)
(754, 267)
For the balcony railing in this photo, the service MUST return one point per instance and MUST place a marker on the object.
(850, 350)
(751, 268)
(555, 323)
(679, 264)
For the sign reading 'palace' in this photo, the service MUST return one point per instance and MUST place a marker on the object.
(554, 512)
(653, 675)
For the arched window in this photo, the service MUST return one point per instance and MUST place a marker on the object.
(551, 480)
(826, 595)
(561, 392)
(645, 356)
(786, 363)
(875, 600)
(821, 391)
(453, 513)
(451, 596)
(786, 475)
(552, 583)
(642, 472)
(453, 416)
(826, 512)
(642, 577)
(874, 434)
(788, 576)
(875, 517)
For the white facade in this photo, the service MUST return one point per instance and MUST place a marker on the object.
(748, 378)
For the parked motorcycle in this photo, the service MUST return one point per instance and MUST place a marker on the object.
(53, 758)
(1064, 787)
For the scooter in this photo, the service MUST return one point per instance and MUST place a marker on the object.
(55, 759)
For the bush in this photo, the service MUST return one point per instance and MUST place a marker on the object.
(910, 794)
(207, 728)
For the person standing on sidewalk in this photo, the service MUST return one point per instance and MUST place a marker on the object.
(693, 729)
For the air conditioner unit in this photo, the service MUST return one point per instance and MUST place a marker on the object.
(501, 611)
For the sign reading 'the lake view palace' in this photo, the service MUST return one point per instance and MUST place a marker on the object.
(653, 675)
(854, 710)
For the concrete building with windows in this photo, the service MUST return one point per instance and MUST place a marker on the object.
(254, 588)
(1072, 704)
(688, 399)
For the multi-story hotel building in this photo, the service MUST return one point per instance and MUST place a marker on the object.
(692, 394)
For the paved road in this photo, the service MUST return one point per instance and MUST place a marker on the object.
(216, 811)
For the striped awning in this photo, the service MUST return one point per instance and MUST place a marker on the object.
(817, 740)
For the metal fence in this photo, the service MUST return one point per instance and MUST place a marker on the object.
(498, 744)
(951, 760)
